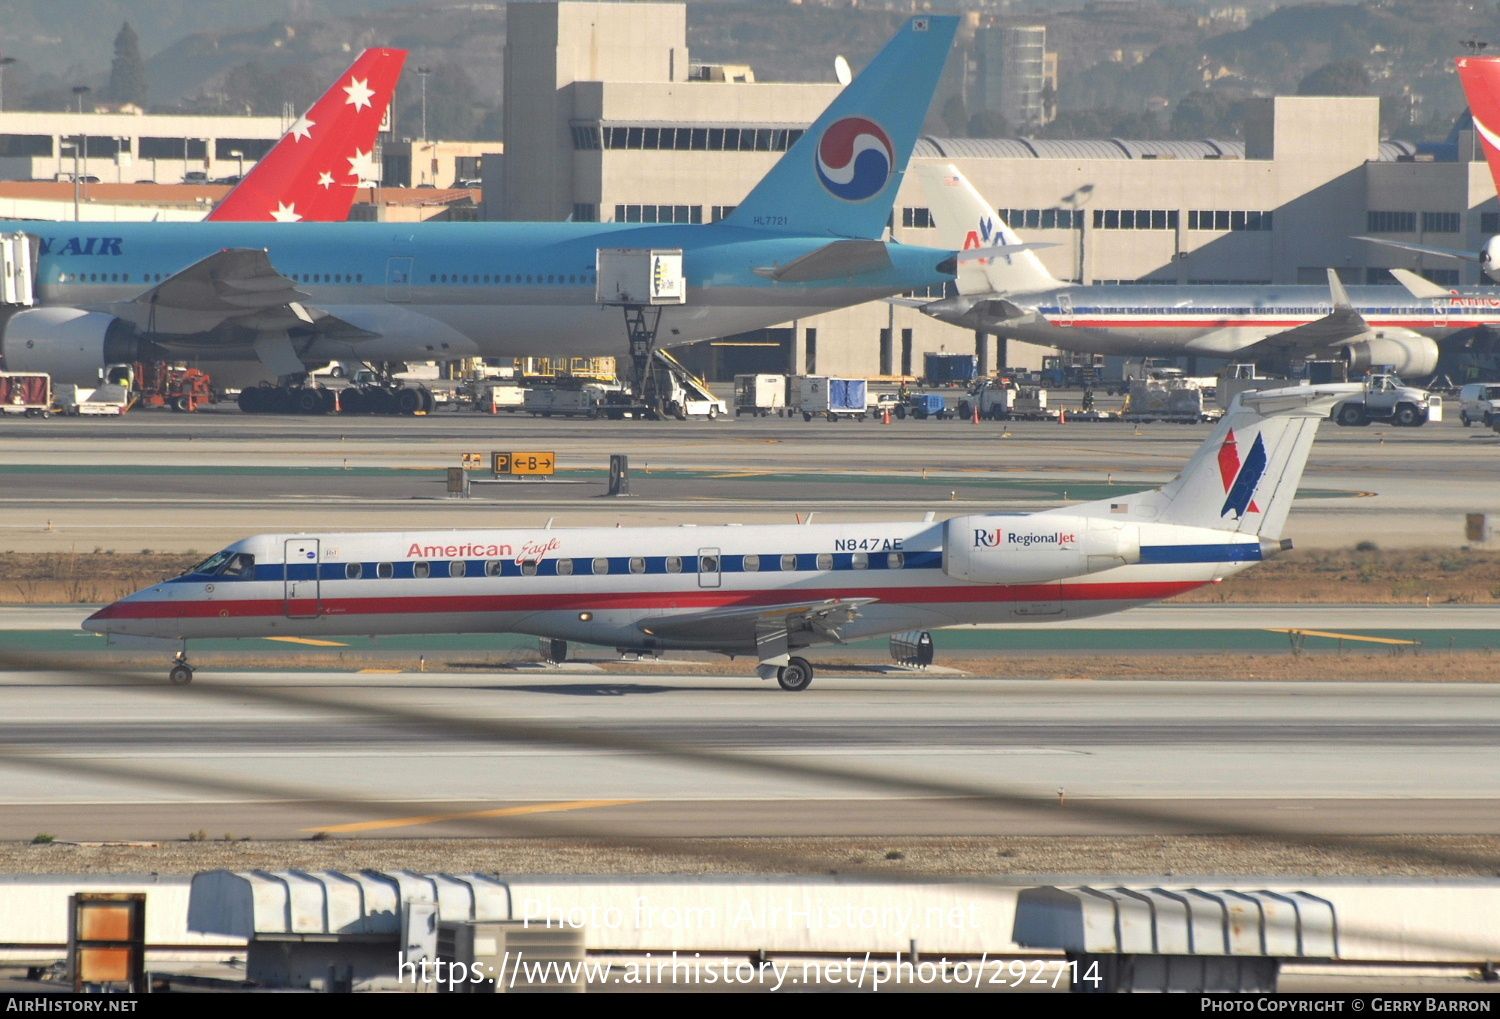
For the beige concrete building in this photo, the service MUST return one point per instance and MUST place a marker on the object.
(120, 148)
(605, 119)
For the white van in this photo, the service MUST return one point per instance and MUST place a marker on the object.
(1479, 401)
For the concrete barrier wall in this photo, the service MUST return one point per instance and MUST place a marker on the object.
(1438, 921)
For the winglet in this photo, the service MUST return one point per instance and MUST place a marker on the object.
(312, 173)
(1340, 295)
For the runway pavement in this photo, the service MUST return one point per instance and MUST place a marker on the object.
(276, 756)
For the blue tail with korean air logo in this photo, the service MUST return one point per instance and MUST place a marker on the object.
(1244, 477)
(840, 178)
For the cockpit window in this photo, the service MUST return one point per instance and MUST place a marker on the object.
(242, 565)
(212, 564)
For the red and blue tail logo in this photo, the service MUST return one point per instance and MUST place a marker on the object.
(854, 159)
(1241, 479)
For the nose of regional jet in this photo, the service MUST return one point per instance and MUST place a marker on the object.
(117, 617)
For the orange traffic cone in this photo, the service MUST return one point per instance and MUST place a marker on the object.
(886, 417)
(1062, 415)
(976, 414)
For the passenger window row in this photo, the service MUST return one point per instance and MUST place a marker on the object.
(604, 565)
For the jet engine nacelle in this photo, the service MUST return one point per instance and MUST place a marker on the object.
(1410, 354)
(69, 344)
(1035, 549)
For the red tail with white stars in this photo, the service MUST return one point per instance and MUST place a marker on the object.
(314, 170)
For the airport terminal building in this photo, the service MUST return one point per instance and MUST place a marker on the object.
(608, 119)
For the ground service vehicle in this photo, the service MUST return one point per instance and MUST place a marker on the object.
(28, 393)
(759, 395)
(1386, 398)
(1479, 401)
(832, 398)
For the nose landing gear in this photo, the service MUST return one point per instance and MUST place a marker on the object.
(181, 672)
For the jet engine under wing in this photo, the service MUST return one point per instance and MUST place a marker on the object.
(236, 286)
(751, 625)
(837, 260)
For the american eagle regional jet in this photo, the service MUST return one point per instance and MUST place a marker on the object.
(280, 299)
(765, 591)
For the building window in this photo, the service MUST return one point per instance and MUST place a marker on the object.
(585, 212)
(1229, 219)
(1489, 222)
(1135, 219)
(723, 211)
(658, 214)
(1391, 222)
(917, 218)
(1440, 222)
(1443, 277)
(1042, 219)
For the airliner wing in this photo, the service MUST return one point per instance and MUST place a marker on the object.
(236, 287)
(1426, 249)
(1338, 328)
(750, 624)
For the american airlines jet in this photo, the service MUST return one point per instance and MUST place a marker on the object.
(282, 299)
(312, 173)
(764, 591)
(1015, 296)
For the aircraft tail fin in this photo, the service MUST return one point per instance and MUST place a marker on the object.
(311, 174)
(1480, 77)
(966, 221)
(841, 177)
(1244, 477)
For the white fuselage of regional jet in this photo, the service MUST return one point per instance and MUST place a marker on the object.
(435, 291)
(1214, 321)
(606, 586)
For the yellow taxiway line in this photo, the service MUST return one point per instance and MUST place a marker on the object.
(534, 808)
(1340, 636)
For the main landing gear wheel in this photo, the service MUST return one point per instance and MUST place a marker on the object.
(796, 675)
(181, 673)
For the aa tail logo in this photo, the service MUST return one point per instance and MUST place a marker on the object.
(1241, 479)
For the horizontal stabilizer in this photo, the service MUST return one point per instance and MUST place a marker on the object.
(1420, 287)
(1001, 250)
(838, 260)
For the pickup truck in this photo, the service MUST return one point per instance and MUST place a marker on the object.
(1387, 398)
